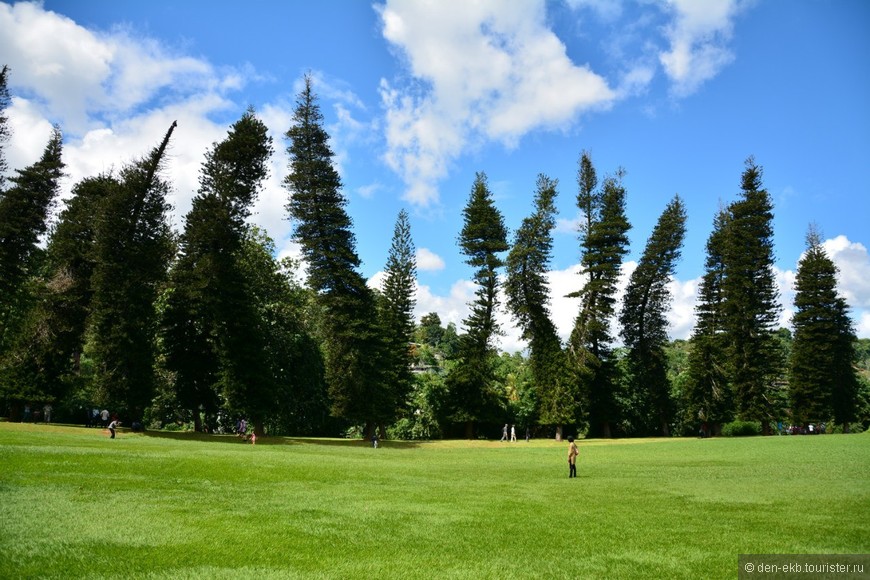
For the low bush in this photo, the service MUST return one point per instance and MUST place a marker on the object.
(741, 429)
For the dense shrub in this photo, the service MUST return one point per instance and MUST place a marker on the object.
(741, 429)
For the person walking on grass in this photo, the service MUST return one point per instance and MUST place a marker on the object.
(573, 452)
(513, 433)
(504, 432)
(112, 426)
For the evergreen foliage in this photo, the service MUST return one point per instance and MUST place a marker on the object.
(97, 317)
(528, 299)
(291, 397)
(397, 311)
(823, 382)
(24, 211)
(131, 249)
(211, 332)
(604, 242)
(750, 307)
(710, 394)
(352, 338)
(482, 239)
(45, 358)
(643, 317)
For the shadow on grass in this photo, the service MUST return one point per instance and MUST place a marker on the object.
(275, 440)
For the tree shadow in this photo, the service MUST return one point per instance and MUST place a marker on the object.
(228, 439)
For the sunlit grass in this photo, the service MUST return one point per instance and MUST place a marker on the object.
(75, 504)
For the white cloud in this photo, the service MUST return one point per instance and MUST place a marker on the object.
(853, 262)
(115, 96)
(450, 308)
(698, 37)
(483, 71)
(568, 226)
(30, 132)
(73, 72)
(429, 261)
(369, 191)
(862, 327)
(681, 315)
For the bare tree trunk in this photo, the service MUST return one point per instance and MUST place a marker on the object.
(197, 421)
(558, 433)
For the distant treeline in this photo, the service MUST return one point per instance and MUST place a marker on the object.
(196, 329)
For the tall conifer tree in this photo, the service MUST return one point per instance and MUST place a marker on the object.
(604, 242)
(711, 397)
(397, 311)
(131, 249)
(210, 328)
(823, 383)
(750, 306)
(24, 211)
(482, 239)
(528, 299)
(47, 351)
(643, 317)
(351, 336)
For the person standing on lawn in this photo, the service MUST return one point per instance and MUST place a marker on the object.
(573, 452)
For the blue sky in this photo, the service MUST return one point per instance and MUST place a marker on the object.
(419, 96)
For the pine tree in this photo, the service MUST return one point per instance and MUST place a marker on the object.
(397, 312)
(351, 336)
(604, 242)
(482, 239)
(24, 211)
(750, 304)
(131, 249)
(643, 317)
(711, 397)
(528, 299)
(210, 329)
(823, 381)
(45, 356)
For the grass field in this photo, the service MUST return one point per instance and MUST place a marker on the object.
(75, 504)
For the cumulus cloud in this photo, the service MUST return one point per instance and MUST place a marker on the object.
(73, 72)
(115, 95)
(429, 261)
(698, 36)
(481, 71)
(450, 308)
(853, 262)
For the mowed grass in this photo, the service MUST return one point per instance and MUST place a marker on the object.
(74, 504)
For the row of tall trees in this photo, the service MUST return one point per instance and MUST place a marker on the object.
(206, 325)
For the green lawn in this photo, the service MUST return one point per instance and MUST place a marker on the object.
(75, 504)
